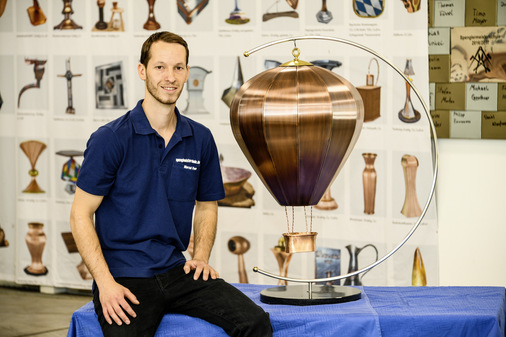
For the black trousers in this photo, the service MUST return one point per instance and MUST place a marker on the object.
(214, 301)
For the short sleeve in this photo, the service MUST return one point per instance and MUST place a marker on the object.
(102, 158)
(210, 182)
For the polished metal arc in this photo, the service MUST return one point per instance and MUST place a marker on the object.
(435, 153)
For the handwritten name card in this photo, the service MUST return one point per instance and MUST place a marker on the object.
(439, 68)
(493, 124)
(450, 96)
(439, 41)
(481, 13)
(449, 13)
(465, 124)
(441, 120)
(481, 96)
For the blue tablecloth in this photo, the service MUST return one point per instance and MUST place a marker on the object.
(382, 311)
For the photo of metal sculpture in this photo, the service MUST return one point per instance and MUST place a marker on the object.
(109, 86)
(3, 241)
(328, 264)
(324, 15)
(418, 276)
(283, 258)
(38, 70)
(411, 207)
(100, 24)
(354, 252)
(151, 23)
(68, 76)
(371, 94)
(237, 81)
(327, 202)
(412, 6)
(369, 177)
(116, 23)
(70, 169)
(36, 241)
(277, 14)
(3, 3)
(33, 149)
(239, 245)
(238, 191)
(70, 244)
(408, 113)
(67, 22)
(368, 8)
(195, 89)
(36, 15)
(189, 9)
(237, 16)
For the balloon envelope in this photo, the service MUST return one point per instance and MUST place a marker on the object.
(297, 126)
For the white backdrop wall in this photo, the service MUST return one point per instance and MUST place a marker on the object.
(215, 46)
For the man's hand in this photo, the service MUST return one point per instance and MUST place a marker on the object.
(200, 267)
(114, 305)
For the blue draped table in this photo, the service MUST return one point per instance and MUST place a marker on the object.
(382, 311)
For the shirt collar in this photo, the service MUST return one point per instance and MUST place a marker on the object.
(141, 124)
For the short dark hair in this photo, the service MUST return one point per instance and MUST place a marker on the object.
(165, 37)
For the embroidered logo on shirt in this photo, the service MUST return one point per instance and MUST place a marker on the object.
(184, 160)
(189, 161)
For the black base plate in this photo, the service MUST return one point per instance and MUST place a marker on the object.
(299, 295)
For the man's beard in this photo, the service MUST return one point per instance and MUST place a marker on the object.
(153, 90)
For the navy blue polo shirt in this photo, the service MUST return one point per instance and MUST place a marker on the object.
(144, 221)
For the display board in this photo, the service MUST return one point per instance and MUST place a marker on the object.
(467, 68)
(69, 67)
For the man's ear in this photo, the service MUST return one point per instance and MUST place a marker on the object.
(187, 73)
(141, 70)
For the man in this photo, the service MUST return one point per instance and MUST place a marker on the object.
(142, 177)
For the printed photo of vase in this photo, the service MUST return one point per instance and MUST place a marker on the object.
(418, 276)
(151, 23)
(283, 258)
(67, 22)
(36, 241)
(327, 202)
(369, 177)
(411, 207)
(353, 265)
(33, 149)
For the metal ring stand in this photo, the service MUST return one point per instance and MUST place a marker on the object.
(326, 294)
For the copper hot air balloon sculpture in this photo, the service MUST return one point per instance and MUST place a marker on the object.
(297, 125)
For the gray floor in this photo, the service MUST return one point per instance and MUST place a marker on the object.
(26, 313)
